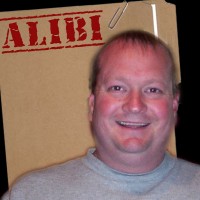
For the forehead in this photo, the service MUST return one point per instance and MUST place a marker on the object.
(134, 61)
(138, 46)
(133, 51)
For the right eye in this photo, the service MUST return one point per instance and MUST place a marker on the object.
(115, 88)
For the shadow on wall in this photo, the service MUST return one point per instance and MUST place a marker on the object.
(3, 168)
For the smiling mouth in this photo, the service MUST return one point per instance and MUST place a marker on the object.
(133, 124)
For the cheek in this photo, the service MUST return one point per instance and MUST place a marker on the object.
(106, 106)
(164, 110)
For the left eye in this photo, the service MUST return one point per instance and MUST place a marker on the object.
(154, 90)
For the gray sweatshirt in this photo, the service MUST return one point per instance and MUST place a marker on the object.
(87, 178)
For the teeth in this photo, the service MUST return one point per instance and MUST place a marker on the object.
(138, 124)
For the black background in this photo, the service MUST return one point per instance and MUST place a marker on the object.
(187, 130)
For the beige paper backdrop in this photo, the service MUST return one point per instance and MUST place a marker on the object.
(44, 87)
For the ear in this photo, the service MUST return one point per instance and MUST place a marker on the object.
(91, 99)
(176, 103)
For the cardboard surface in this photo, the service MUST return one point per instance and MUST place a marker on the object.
(45, 60)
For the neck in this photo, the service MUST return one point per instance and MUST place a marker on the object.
(130, 163)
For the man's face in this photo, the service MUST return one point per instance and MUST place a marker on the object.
(133, 108)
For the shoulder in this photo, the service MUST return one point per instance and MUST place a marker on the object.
(56, 171)
(5, 196)
(187, 165)
(38, 183)
(187, 171)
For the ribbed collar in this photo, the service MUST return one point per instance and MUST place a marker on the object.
(140, 182)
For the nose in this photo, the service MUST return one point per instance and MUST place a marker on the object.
(134, 102)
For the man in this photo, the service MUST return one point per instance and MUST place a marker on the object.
(132, 110)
